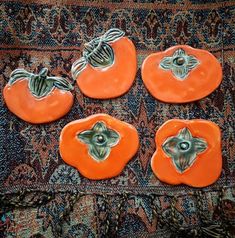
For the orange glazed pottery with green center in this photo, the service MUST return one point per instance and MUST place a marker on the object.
(99, 146)
(37, 98)
(181, 74)
(108, 66)
(188, 152)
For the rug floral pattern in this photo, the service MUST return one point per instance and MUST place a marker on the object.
(37, 34)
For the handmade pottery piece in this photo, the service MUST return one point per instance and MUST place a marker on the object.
(188, 152)
(37, 98)
(99, 146)
(108, 66)
(181, 74)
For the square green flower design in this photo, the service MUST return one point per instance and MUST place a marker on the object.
(99, 140)
(180, 64)
(183, 149)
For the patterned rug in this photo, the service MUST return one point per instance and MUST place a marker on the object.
(41, 196)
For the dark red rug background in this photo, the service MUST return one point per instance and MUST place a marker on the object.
(36, 34)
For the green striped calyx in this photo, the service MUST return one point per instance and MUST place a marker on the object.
(40, 85)
(98, 52)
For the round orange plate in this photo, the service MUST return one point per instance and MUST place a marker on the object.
(108, 66)
(188, 152)
(37, 98)
(181, 74)
(99, 146)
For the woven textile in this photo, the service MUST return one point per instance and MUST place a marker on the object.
(41, 196)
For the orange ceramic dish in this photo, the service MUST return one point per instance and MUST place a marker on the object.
(37, 98)
(188, 152)
(99, 146)
(108, 66)
(181, 74)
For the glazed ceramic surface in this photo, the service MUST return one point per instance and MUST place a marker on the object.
(181, 74)
(188, 152)
(108, 66)
(99, 146)
(37, 98)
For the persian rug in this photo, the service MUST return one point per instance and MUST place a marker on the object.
(40, 195)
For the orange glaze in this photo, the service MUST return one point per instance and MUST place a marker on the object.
(22, 103)
(112, 81)
(75, 153)
(208, 165)
(200, 82)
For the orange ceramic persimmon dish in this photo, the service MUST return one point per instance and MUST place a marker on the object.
(188, 152)
(99, 146)
(37, 98)
(108, 66)
(181, 74)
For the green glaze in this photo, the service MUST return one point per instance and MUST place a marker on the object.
(183, 149)
(98, 52)
(40, 85)
(180, 64)
(99, 140)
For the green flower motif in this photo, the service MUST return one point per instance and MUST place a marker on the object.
(183, 149)
(99, 140)
(180, 64)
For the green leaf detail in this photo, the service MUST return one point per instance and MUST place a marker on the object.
(40, 84)
(184, 161)
(199, 144)
(170, 146)
(99, 153)
(99, 140)
(179, 53)
(99, 127)
(39, 87)
(180, 72)
(192, 62)
(101, 56)
(180, 64)
(61, 83)
(166, 63)
(18, 74)
(78, 66)
(113, 35)
(185, 134)
(86, 136)
(183, 149)
(113, 138)
(98, 52)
